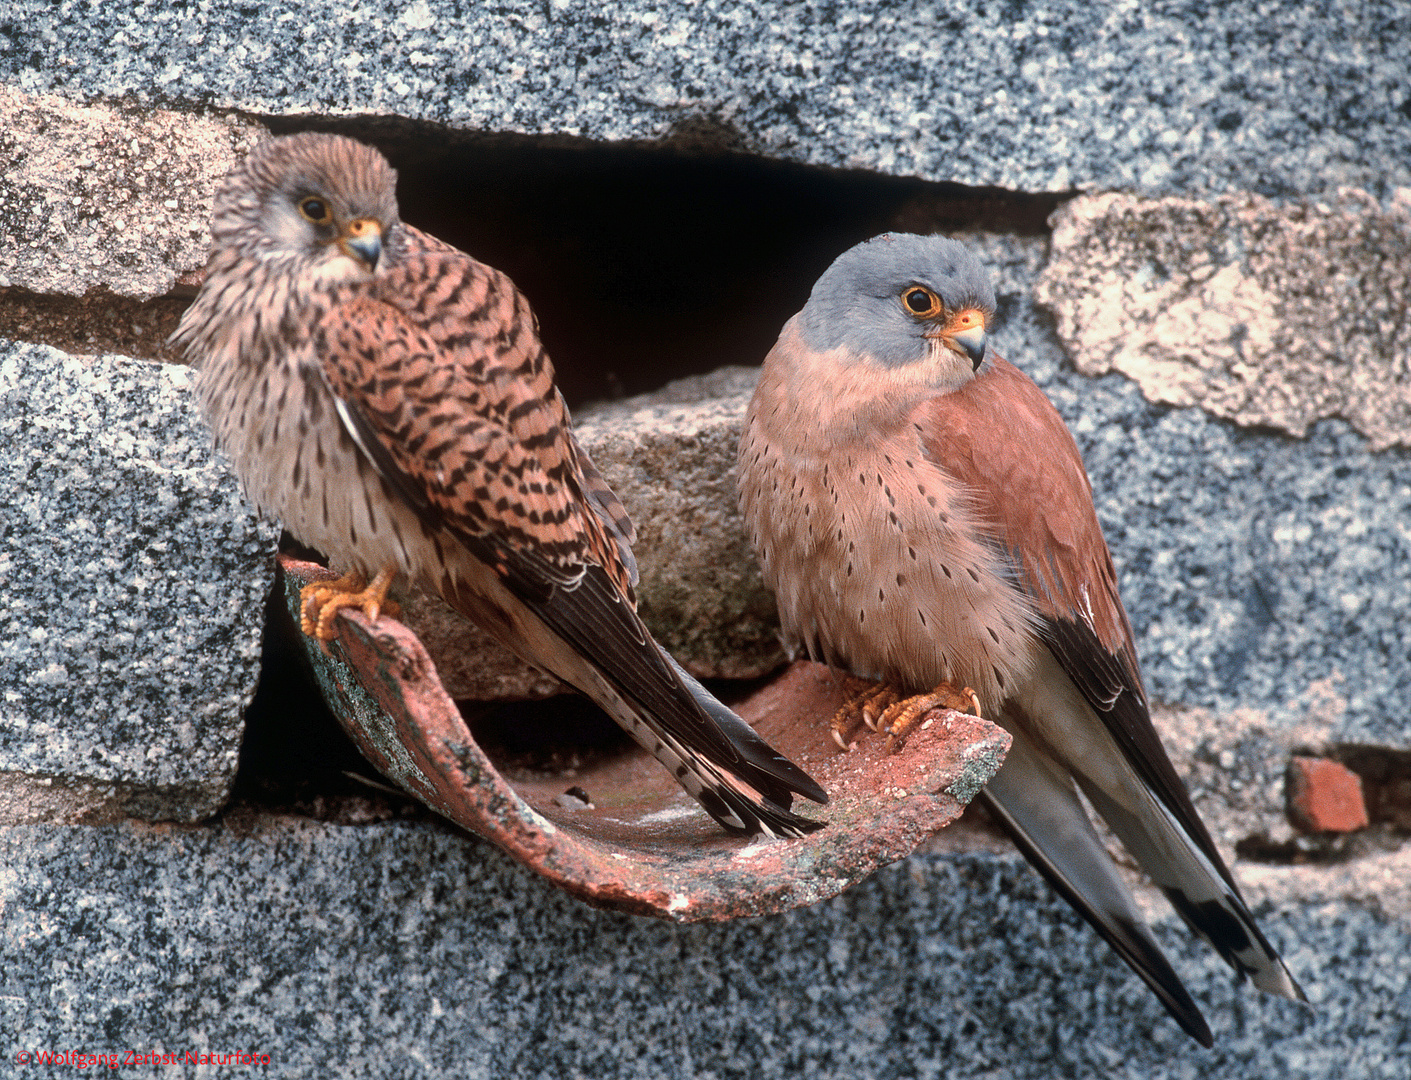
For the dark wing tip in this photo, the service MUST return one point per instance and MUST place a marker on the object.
(770, 771)
(1118, 701)
(747, 817)
(1230, 928)
(592, 617)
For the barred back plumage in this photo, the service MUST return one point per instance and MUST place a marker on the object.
(388, 398)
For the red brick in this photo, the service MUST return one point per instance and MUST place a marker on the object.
(1324, 796)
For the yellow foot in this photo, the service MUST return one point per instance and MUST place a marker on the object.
(865, 706)
(902, 716)
(320, 601)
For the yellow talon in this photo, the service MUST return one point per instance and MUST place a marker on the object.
(864, 706)
(898, 720)
(320, 601)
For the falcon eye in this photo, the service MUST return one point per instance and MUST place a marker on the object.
(922, 303)
(315, 210)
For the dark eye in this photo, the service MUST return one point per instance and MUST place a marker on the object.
(921, 302)
(316, 210)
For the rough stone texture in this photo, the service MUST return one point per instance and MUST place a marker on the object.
(670, 456)
(1269, 315)
(134, 587)
(93, 324)
(1386, 783)
(1325, 796)
(1234, 763)
(1260, 571)
(1269, 579)
(105, 197)
(401, 950)
(1162, 98)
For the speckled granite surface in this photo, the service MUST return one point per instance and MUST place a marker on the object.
(1155, 97)
(102, 198)
(402, 951)
(1260, 571)
(1271, 315)
(133, 595)
(1253, 565)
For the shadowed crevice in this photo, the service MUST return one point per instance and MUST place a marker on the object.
(647, 262)
(1386, 782)
(96, 323)
(1386, 790)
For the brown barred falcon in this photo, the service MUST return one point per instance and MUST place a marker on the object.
(387, 397)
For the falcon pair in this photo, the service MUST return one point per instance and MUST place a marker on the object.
(917, 504)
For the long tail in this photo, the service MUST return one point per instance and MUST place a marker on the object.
(1202, 893)
(762, 777)
(587, 632)
(1043, 815)
(1037, 801)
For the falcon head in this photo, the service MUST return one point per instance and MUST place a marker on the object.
(901, 300)
(323, 203)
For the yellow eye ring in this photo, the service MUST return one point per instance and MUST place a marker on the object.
(315, 210)
(921, 302)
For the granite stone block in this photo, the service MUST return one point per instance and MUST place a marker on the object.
(1161, 98)
(134, 587)
(1260, 570)
(1269, 315)
(98, 197)
(399, 950)
(670, 456)
(1268, 576)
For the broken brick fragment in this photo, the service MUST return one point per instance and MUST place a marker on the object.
(1324, 796)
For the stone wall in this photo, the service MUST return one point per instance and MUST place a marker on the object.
(1197, 218)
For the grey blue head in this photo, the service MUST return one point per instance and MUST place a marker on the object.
(897, 297)
(311, 196)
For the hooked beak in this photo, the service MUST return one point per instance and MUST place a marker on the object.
(362, 240)
(971, 342)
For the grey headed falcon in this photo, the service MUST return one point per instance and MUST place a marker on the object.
(924, 519)
(387, 397)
